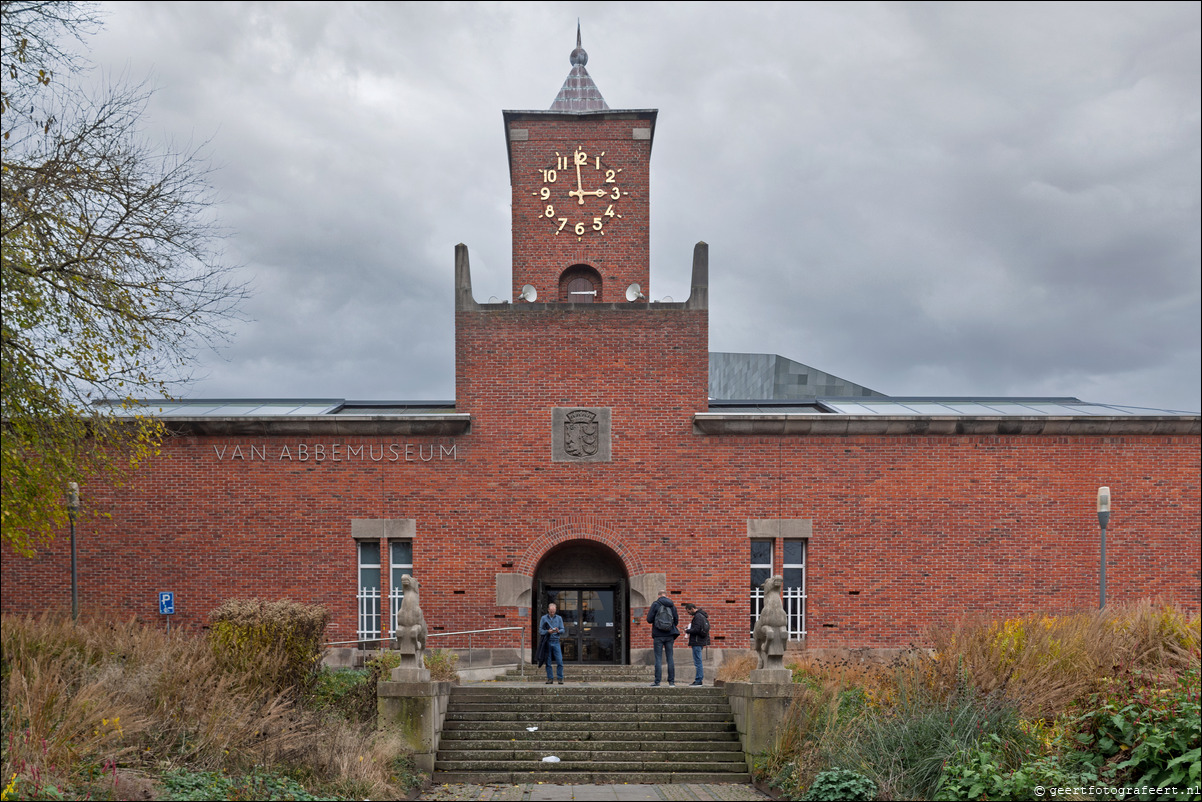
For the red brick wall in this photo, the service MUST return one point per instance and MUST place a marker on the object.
(540, 253)
(650, 362)
(924, 528)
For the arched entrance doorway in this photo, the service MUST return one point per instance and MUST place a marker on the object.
(588, 583)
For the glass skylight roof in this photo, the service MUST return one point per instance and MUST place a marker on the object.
(270, 407)
(979, 407)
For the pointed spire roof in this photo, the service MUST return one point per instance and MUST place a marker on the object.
(578, 92)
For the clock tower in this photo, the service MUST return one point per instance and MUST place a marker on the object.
(584, 350)
(580, 176)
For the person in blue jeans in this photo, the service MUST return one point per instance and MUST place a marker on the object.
(663, 634)
(550, 626)
(698, 631)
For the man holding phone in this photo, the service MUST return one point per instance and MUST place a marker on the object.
(550, 626)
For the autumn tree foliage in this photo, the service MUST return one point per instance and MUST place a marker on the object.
(111, 274)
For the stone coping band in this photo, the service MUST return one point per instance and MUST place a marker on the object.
(711, 423)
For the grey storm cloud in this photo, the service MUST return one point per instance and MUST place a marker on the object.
(927, 199)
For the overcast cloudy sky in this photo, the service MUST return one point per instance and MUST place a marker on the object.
(927, 199)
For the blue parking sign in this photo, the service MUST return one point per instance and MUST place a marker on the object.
(166, 602)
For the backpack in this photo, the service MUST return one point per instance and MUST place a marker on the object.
(663, 619)
(703, 628)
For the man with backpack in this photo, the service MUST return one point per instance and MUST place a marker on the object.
(698, 631)
(662, 617)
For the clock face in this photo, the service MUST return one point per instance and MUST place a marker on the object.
(579, 194)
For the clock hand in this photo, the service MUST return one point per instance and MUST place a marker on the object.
(579, 192)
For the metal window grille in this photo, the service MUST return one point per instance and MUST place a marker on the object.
(795, 608)
(369, 614)
(757, 607)
(368, 595)
(395, 597)
(794, 593)
(400, 562)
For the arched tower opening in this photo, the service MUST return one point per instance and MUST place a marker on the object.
(580, 284)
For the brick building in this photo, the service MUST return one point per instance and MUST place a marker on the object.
(583, 460)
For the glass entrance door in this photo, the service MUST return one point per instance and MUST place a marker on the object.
(588, 618)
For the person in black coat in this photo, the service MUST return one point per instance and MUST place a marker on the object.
(698, 631)
(663, 634)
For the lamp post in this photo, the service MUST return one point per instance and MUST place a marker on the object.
(72, 511)
(1103, 519)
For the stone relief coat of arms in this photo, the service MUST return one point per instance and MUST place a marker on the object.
(581, 433)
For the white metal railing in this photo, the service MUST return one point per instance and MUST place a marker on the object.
(795, 608)
(794, 600)
(395, 596)
(470, 632)
(757, 607)
(369, 614)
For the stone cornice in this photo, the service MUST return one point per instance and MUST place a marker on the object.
(715, 423)
(448, 425)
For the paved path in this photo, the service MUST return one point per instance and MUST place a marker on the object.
(555, 793)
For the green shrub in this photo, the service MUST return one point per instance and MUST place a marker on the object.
(442, 665)
(841, 784)
(258, 784)
(337, 691)
(279, 643)
(1149, 729)
(992, 772)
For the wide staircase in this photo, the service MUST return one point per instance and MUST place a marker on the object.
(604, 725)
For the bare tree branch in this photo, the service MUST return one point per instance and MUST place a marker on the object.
(112, 273)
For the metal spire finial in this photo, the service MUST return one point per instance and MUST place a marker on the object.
(578, 57)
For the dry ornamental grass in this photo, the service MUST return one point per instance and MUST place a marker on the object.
(84, 704)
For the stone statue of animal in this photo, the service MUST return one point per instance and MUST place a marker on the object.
(771, 633)
(411, 623)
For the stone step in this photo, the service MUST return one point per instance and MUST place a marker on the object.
(552, 732)
(591, 777)
(589, 766)
(584, 706)
(586, 715)
(488, 725)
(595, 697)
(591, 755)
(570, 672)
(719, 744)
(578, 679)
(597, 694)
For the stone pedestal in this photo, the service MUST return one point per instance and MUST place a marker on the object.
(771, 676)
(417, 710)
(410, 674)
(759, 709)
